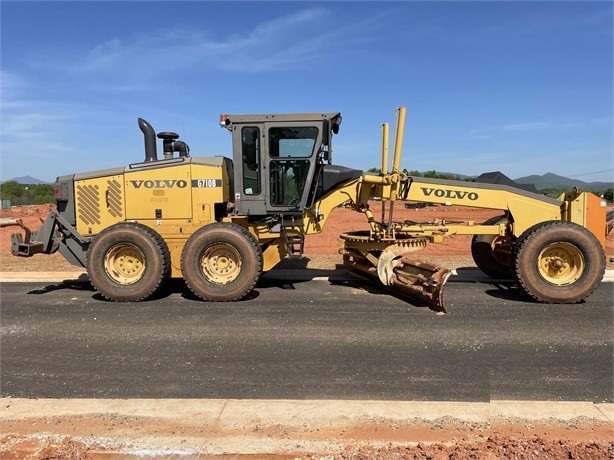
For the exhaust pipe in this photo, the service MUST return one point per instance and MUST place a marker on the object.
(151, 151)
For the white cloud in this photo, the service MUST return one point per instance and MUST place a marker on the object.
(138, 62)
(30, 131)
(527, 126)
(279, 44)
(557, 125)
(24, 119)
(478, 135)
(10, 83)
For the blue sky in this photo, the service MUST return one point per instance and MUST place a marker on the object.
(520, 87)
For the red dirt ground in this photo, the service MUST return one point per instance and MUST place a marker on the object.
(326, 243)
(101, 437)
(505, 440)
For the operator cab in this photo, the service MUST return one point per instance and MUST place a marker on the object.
(282, 162)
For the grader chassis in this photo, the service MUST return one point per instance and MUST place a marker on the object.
(219, 223)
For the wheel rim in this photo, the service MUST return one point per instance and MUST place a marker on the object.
(221, 263)
(561, 263)
(125, 263)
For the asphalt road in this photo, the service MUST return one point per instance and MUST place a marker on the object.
(305, 340)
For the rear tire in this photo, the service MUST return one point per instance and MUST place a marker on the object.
(558, 262)
(221, 262)
(492, 253)
(128, 262)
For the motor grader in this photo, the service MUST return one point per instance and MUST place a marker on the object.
(219, 223)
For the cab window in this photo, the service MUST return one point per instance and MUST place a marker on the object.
(290, 149)
(250, 145)
(292, 142)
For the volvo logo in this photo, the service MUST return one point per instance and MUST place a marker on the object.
(454, 194)
(159, 183)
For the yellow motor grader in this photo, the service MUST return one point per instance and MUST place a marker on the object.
(219, 223)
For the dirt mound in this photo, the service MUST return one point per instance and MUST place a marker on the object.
(495, 447)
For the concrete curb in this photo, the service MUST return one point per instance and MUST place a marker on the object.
(46, 277)
(298, 412)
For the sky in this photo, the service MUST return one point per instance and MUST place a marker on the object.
(521, 87)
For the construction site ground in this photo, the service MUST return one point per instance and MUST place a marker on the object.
(280, 429)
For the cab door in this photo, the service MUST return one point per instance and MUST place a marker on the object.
(291, 155)
(249, 168)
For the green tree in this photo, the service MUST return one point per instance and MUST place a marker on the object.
(24, 194)
(608, 194)
(11, 190)
(553, 192)
(41, 193)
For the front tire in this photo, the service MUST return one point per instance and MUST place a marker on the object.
(128, 262)
(221, 262)
(558, 262)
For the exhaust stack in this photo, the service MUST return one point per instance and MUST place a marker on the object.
(151, 151)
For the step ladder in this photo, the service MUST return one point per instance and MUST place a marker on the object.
(293, 233)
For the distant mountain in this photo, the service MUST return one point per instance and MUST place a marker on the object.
(27, 180)
(550, 180)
